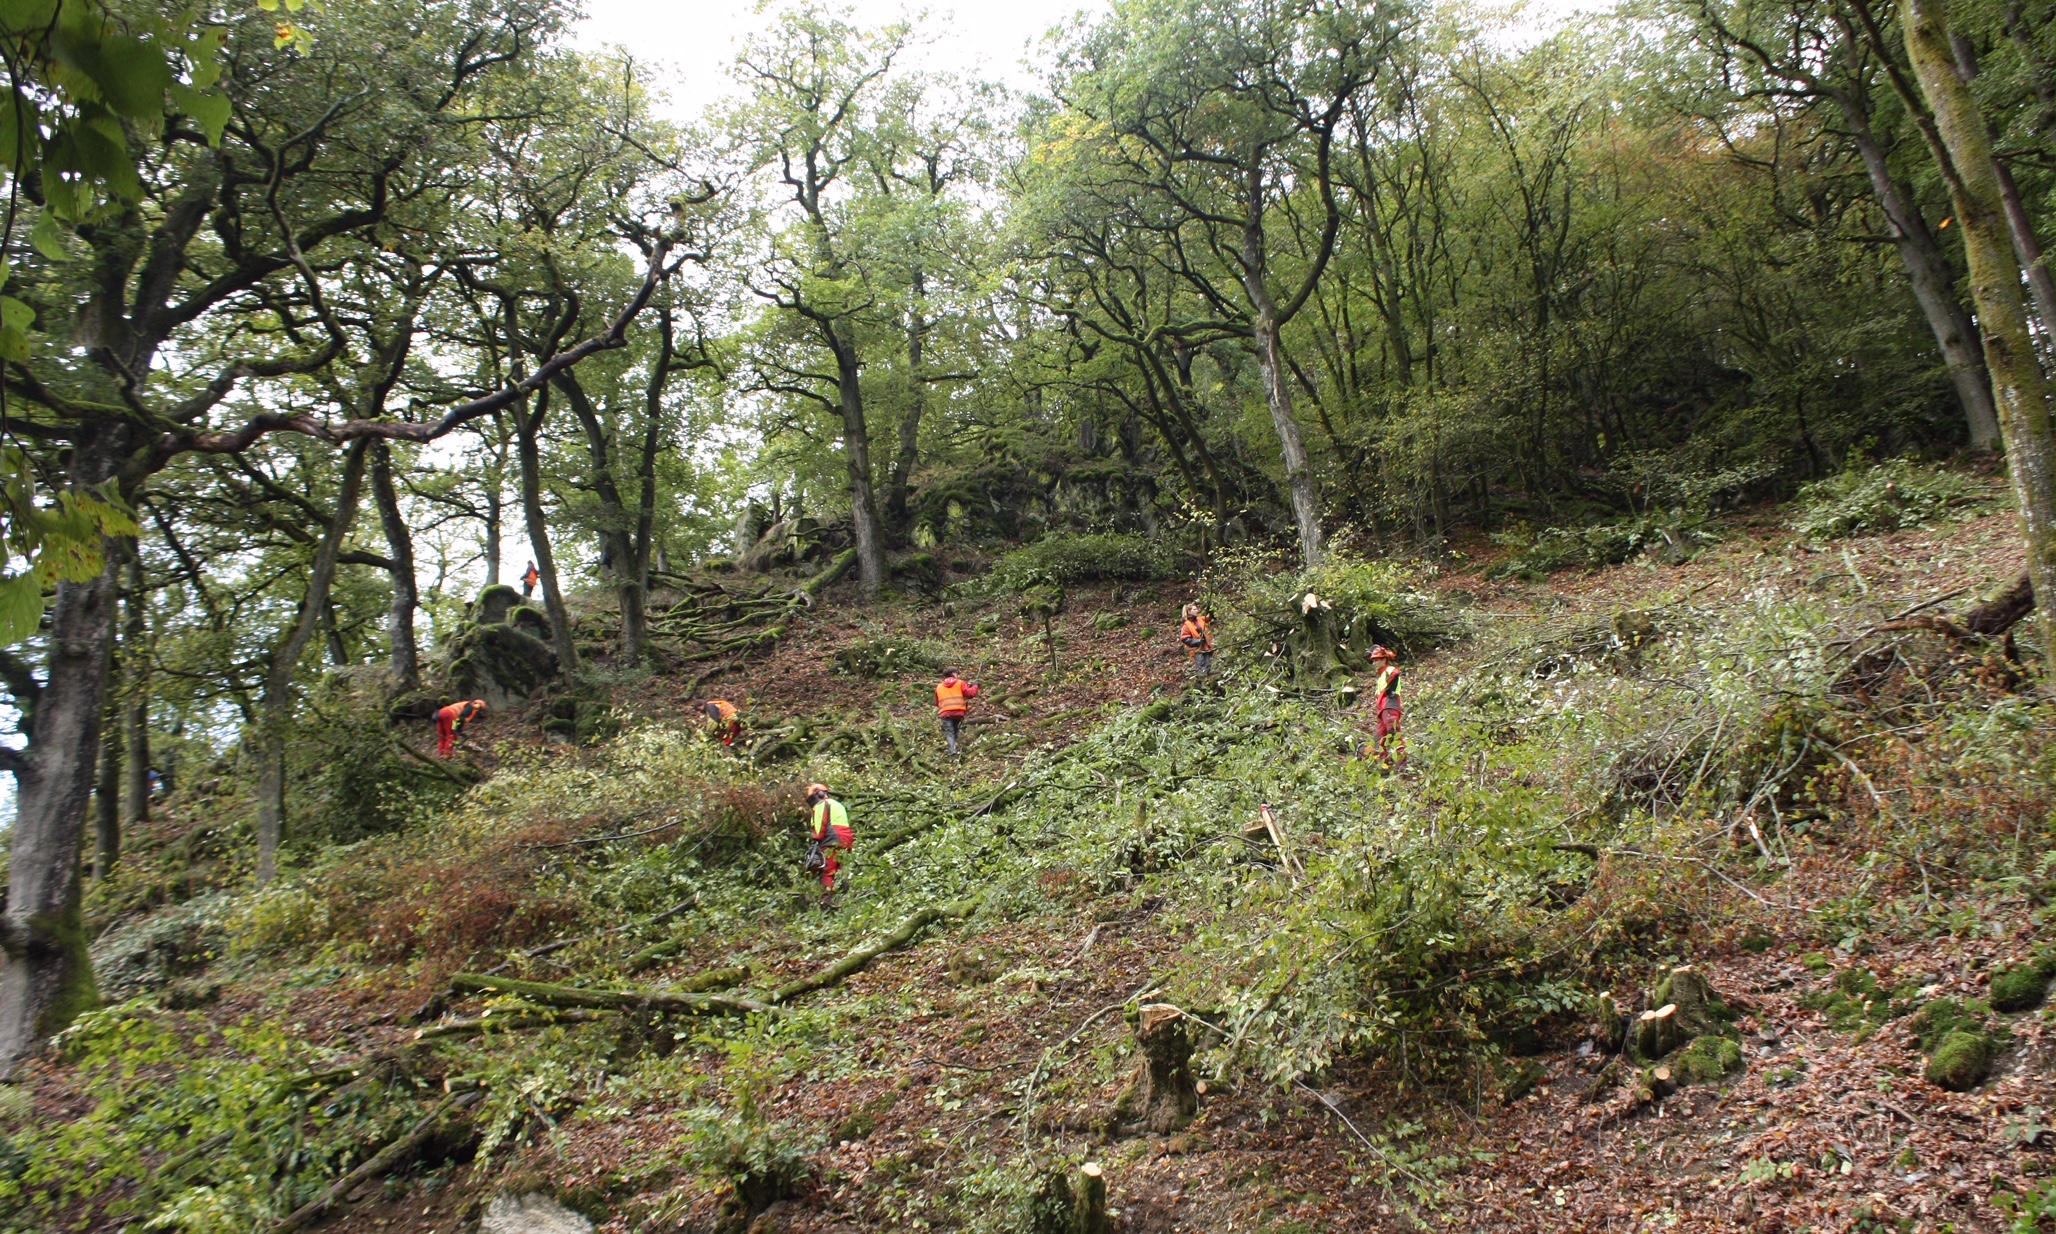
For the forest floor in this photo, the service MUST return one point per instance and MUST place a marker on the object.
(1827, 1128)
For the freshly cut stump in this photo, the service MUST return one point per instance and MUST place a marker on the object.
(1163, 1097)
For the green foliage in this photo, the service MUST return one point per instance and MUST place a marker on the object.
(190, 1127)
(1855, 1002)
(355, 779)
(1884, 497)
(59, 541)
(1591, 548)
(1068, 558)
(889, 656)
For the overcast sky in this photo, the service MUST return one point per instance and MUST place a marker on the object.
(698, 39)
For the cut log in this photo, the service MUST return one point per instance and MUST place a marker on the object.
(387, 1159)
(1162, 1098)
(1089, 1194)
(908, 931)
(1656, 1032)
(2003, 611)
(1659, 1082)
(668, 1002)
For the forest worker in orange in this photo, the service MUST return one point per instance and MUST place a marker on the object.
(529, 578)
(828, 828)
(1390, 737)
(723, 718)
(450, 720)
(1197, 633)
(953, 697)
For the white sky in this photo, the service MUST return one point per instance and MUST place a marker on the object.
(699, 39)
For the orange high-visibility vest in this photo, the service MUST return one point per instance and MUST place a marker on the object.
(950, 696)
(1199, 628)
(722, 705)
(461, 713)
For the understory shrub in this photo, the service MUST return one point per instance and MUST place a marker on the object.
(1608, 544)
(1071, 557)
(1888, 496)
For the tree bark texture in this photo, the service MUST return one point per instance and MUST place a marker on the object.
(2019, 387)
(2040, 282)
(107, 789)
(909, 452)
(285, 663)
(135, 655)
(1164, 1098)
(856, 449)
(1933, 284)
(46, 978)
(403, 654)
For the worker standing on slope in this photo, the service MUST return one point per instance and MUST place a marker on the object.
(1197, 633)
(953, 697)
(828, 828)
(1390, 737)
(450, 720)
(724, 719)
(529, 578)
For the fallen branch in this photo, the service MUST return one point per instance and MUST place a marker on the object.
(588, 842)
(854, 962)
(507, 1023)
(562, 943)
(669, 1002)
(381, 1163)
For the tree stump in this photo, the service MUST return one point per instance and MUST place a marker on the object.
(1657, 1032)
(1699, 1009)
(1162, 1098)
(1613, 1028)
(1089, 1200)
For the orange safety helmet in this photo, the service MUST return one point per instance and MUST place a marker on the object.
(1380, 651)
(817, 788)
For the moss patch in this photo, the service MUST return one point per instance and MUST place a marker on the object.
(1960, 1061)
(1706, 1060)
(1856, 1002)
(2023, 986)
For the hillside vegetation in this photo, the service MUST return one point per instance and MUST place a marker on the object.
(1753, 767)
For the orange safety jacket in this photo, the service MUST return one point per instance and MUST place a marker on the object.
(951, 696)
(1197, 633)
(722, 705)
(457, 715)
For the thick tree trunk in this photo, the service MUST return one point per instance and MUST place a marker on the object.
(1933, 285)
(527, 428)
(2019, 387)
(47, 977)
(1299, 478)
(404, 654)
(285, 662)
(856, 449)
(135, 654)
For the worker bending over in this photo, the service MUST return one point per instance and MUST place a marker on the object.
(724, 719)
(1197, 633)
(828, 828)
(953, 697)
(450, 720)
(1390, 738)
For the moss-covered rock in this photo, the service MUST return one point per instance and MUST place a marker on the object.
(1706, 1060)
(1961, 1061)
(502, 665)
(2023, 986)
(494, 603)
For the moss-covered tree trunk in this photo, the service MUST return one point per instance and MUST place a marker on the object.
(2019, 388)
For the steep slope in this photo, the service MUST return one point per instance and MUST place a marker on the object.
(1724, 765)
